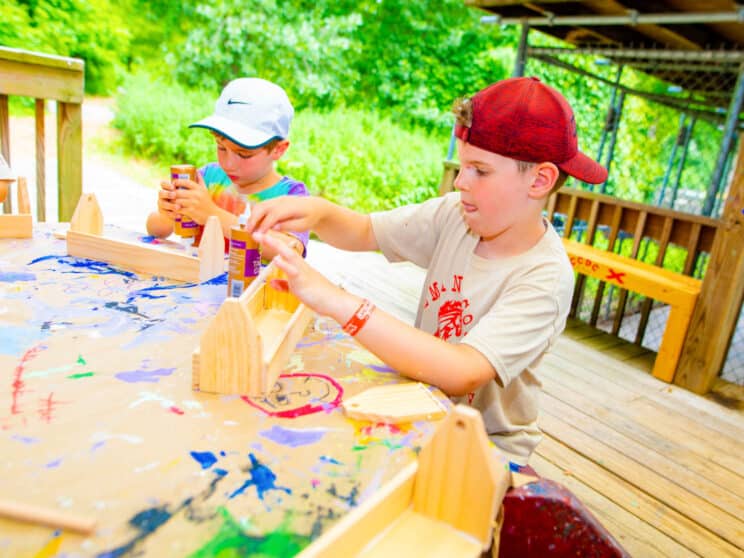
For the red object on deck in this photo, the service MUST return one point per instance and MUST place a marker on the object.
(544, 519)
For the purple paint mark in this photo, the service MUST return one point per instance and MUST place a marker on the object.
(54, 464)
(381, 368)
(25, 439)
(205, 458)
(151, 376)
(13, 276)
(262, 478)
(293, 437)
(97, 446)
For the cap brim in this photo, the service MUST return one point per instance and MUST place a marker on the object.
(585, 169)
(236, 133)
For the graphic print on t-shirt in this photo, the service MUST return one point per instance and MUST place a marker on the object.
(452, 315)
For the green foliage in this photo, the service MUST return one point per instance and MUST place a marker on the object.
(358, 158)
(93, 30)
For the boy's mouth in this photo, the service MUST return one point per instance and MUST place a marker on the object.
(232, 177)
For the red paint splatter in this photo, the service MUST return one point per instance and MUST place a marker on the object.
(303, 408)
(47, 407)
(175, 410)
(18, 383)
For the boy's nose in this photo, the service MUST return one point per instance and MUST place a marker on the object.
(459, 183)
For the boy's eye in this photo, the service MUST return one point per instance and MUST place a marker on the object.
(245, 155)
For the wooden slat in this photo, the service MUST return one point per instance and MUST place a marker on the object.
(40, 161)
(69, 158)
(5, 142)
(591, 230)
(570, 217)
(646, 306)
(35, 75)
(614, 233)
(623, 294)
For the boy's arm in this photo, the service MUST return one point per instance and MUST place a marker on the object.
(455, 369)
(339, 226)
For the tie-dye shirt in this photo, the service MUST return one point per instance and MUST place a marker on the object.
(225, 195)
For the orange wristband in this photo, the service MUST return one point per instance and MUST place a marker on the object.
(360, 317)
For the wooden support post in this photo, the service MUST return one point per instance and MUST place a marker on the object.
(717, 311)
(40, 162)
(69, 157)
(5, 142)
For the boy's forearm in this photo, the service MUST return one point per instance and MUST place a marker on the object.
(456, 369)
(344, 228)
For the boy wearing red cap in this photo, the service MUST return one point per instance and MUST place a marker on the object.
(499, 283)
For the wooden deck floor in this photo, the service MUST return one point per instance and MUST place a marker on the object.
(661, 468)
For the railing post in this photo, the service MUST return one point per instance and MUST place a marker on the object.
(718, 307)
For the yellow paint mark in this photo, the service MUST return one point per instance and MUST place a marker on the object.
(51, 548)
(172, 463)
(363, 357)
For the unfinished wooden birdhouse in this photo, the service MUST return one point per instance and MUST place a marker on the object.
(18, 225)
(248, 343)
(85, 239)
(443, 505)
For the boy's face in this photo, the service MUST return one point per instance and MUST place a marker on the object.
(495, 196)
(247, 166)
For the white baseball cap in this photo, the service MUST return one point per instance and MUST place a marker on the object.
(250, 112)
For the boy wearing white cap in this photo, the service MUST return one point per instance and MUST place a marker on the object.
(250, 125)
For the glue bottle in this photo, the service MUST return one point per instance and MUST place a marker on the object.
(187, 229)
(244, 260)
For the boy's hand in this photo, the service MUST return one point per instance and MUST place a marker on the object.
(166, 200)
(285, 213)
(193, 200)
(306, 283)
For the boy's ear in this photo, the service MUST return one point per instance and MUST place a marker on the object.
(545, 176)
(280, 148)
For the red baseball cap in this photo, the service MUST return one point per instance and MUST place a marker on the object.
(524, 119)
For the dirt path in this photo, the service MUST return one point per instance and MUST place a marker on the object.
(124, 187)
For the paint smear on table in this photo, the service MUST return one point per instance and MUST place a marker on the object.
(151, 376)
(293, 437)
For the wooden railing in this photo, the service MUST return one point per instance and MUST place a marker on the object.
(702, 247)
(47, 77)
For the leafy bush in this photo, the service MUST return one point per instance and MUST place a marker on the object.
(357, 158)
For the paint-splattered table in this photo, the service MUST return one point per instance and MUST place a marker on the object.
(98, 419)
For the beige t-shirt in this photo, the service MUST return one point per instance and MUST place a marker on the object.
(511, 310)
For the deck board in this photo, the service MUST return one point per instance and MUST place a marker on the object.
(660, 467)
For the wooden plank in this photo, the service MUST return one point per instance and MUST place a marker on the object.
(689, 474)
(614, 232)
(40, 161)
(24, 205)
(666, 420)
(647, 480)
(717, 311)
(16, 226)
(395, 403)
(145, 259)
(570, 216)
(5, 142)
(625, 494)
(41, 76)
(69, 158)
(611, 374)
(692, 250)
(646, 305)
(636, 536)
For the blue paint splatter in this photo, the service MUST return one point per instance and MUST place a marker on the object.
(262, 478)
(293, 437)
(54, 464)
(329, 460)
(25, 439)
(205, 458)
(219, 472)
(151, 376)
(13, 276)
(15, 340)
(83, 265)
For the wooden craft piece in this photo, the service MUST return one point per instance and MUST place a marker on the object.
(42, 516)
(395, 403)
(85, 240)
(87, 217)
(247, 344)
(441, 506)
(20, 225)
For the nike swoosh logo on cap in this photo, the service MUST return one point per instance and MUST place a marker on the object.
(234, 102)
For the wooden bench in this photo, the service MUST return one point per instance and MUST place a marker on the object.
(677, 290)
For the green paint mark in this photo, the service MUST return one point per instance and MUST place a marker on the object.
(80, 375)
(232, 542)
(81, 360)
